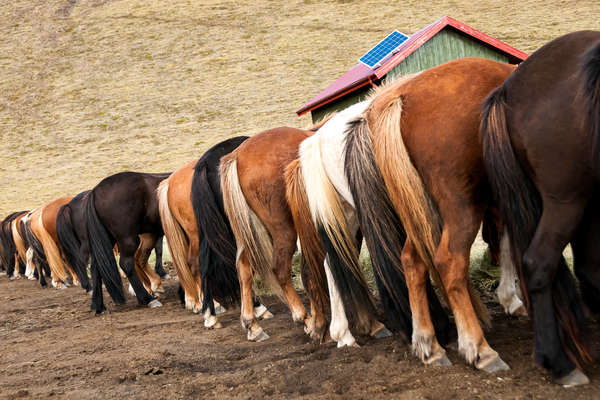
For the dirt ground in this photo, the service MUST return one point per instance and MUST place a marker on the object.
(53, 346)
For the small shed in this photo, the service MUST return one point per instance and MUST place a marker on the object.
(444, 40)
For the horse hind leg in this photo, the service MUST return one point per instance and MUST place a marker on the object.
(284, 246)
(541, 264)
(424, 343)
(508, 291)
(339, 329)
(247, 315)
(127, 249)
(142, 255)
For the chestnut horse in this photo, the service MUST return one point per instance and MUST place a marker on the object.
(43, 226)
(320, 198)
(541, 140)
(252, 181)
(423, 132)
(198, 234)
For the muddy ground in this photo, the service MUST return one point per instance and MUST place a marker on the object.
(53, 346)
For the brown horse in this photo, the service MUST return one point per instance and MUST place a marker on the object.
(541, 140)
(424, 137)
(200, 240)
(43, 226)
(252, 181)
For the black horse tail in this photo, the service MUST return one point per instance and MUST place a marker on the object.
(70, 244)
(384, 235)
(39, 257)
(216, 257)
(521, 207)
(591, 77)
(101, 249)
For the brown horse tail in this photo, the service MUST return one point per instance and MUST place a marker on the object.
(177, 242)
(19, 243)
(337, 240)
(414, 206)
(591, 72)
(384, 234)
(521, 211)
(312, 252)
(55, 261)
(250, 233)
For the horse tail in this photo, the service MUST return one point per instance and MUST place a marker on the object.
(312, 251)
(69, 244)
(338, 241)
(216, 257)
(384, 233)
(177, 241)
(55, 261)
(591, 76)
(250, 233)
(38, 250)
(413, 204)
(101, 250)
(18, 239)
(521, 212)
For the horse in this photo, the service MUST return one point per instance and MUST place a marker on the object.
(199, 236)
(422, 134)
(8, 249)
(540, 134)
(319, 195)
(43, 226)
(123, 209)
(252, 181)
(35, 251)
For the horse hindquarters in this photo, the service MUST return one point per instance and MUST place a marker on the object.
(528, 219)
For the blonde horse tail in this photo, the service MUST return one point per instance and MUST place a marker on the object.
(250, 233)
(55, 261)
(414, 206)
(337, 239)
(19, 243)
(177, 242)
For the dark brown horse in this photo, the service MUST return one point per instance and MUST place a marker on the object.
(541, 139)
(121, 209)
(423, 132)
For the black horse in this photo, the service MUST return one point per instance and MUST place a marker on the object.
(8, 248)
(118, 210)
(541, 141)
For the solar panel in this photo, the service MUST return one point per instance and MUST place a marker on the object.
(383, 49)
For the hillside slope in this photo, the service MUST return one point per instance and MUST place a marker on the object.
(93, 87)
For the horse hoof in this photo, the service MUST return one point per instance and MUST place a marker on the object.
(442, 361)
(166, 277)
(155, 304)
(220, 310)
(495, 366)
(382, 333)
(103, 312)
(217, 325)
(61, 287)
(520, 312)
(259, 337)
(573, 378)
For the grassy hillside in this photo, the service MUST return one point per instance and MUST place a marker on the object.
(93, 87)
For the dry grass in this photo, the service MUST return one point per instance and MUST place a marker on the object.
(93, 87)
